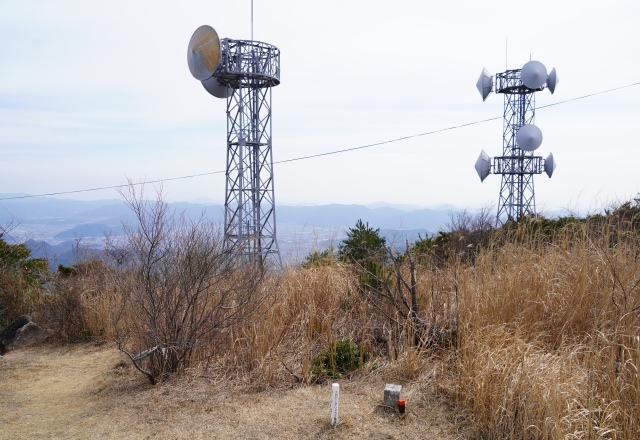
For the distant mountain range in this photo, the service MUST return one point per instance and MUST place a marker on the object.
(51, 227)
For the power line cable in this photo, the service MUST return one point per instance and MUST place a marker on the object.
(589, 95)
(446, 129)
(28, 196)
(387, 141)
(328, 153)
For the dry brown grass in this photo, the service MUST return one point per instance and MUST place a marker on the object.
(310, 309)
(89, 392)
(549, 342)
(80, 307)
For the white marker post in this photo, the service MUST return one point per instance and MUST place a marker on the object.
(335, 397)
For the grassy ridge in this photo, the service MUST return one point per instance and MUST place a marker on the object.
(546, 325)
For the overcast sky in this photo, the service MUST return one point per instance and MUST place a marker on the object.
(93, 93)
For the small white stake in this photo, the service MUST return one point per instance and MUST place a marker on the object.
(335, 397)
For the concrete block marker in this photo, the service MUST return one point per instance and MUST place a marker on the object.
(335, 397)
(391, 395)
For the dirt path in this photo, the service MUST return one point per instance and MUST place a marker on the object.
(88, 392)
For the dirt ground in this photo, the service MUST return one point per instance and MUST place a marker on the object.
(90, 392)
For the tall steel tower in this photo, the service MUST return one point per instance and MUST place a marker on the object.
(243, 72)
(521, 138)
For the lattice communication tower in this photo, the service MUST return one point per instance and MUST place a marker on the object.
(521, 138)
(243, 72)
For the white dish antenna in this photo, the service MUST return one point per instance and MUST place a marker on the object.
(485, 84)
(212, 86)
(529, 137)
(483, 165)
(204, 52)
(549, 165)
(552, 80)
(534, 75)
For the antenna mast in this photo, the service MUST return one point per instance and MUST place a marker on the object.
(521, 138)
(243, 72)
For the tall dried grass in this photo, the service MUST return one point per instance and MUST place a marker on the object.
(310, 309)
(80, 304)
(549, 336)
(314, 307)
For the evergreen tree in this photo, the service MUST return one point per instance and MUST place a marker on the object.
(363, 243)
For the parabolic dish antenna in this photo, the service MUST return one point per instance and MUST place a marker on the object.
(533, 74)
(204, 52)
(483, 165)
(552, 80)
(212, 86)
(529, 137)
(485, 84)
(549, 165)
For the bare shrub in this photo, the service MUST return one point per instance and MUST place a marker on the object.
(177, 289)
(403, 298)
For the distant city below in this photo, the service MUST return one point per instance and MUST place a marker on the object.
(52, 227)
